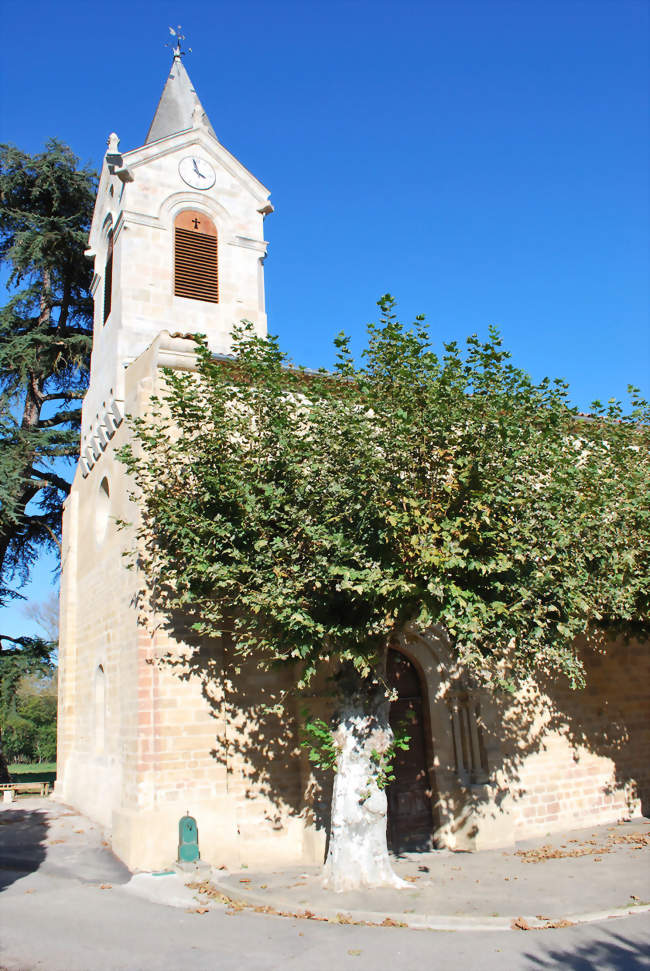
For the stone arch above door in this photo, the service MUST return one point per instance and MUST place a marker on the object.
(468, 813)
(463, 793)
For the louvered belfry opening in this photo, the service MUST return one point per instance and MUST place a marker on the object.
(195, 257)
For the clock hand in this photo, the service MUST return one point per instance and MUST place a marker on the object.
(197, 170)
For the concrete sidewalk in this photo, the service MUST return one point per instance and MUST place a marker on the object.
(573, 877)
(576, 876)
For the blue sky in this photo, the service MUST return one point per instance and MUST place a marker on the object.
(484, 161)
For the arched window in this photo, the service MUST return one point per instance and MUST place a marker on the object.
(469, 749)
(195, 257)
(100, 710)
(108, 277)
(102, 510)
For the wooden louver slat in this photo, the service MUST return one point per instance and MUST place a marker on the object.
(195, 265)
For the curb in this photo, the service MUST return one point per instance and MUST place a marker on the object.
(433, 922)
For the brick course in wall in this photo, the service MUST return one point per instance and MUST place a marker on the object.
(590, 763)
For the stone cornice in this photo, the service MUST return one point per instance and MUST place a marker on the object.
(100, 433)
(259, 245)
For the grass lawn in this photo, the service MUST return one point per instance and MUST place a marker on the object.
(35, 772)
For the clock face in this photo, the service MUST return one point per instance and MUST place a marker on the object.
(195, 171)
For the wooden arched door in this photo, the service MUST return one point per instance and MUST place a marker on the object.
(410, 818)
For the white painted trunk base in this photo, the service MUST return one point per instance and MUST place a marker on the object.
(358, 852)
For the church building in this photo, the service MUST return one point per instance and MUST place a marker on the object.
(177, 240)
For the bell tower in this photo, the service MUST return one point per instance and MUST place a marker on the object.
(178, 247)
(177, 241)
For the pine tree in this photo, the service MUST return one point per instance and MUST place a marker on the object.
(46, 204)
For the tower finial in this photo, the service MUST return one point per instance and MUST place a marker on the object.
(177, 49)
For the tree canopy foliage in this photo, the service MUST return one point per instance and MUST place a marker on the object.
(28, 707)
(28, 689)
(46, 204)
(312, 515)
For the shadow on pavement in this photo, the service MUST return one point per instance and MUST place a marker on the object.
(22, 844)
(616, 952)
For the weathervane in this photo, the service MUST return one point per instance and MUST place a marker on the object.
(177, 51)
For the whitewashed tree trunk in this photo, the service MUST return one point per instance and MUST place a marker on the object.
(358, 851)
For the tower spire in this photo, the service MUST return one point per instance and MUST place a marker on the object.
(179, 104)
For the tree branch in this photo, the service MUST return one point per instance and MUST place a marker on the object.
(64, 396)
(51, 478)
(39, 521)
(59, 419)
(53, 536)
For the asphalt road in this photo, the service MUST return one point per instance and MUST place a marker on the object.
(64, 906)
(58, 924)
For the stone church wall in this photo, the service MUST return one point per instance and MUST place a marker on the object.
(150, 729)
(505, 768)
(593, 763)
(144, 736)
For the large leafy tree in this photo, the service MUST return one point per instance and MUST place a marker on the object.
(46, 203)
(28, 718)
(310, 517)
(28, 690)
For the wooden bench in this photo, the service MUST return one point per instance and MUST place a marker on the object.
(11, 788)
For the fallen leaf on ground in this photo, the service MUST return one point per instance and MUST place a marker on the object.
(641, 839)
(106, 886)
(637, 841)
(520, 924)
(208, 888)
(354, 952)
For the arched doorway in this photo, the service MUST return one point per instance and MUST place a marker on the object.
(410, 818)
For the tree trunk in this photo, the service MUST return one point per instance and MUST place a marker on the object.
(358, 851)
